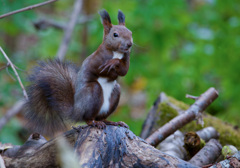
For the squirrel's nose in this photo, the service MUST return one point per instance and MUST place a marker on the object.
(129, 44)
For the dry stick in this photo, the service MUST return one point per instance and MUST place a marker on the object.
(10, 113)
(26, 8)
(194, 111)
(13, 67)
(68, 31)
(191, 97)
(208, 154)
(174, 146)
(208, 133)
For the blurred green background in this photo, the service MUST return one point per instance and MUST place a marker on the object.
(180, 46)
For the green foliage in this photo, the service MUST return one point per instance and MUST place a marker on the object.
(179, 47)
(9, 133)
(123, 115)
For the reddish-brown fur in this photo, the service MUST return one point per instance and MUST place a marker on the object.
(80, 96)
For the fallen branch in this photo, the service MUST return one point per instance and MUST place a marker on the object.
(174, 146)
(12, 112)
(27, 8)
(208, 154)
(110, 147)
(13, 67)
(178, 122)
(69, 29)
(208, 133)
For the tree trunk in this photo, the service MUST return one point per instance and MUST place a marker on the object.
(110, 147)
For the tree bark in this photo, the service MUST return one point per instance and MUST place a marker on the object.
(208, 154)
(110, 147)
(231, 162)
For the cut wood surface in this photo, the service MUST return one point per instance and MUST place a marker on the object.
(110, 147)
(208, 154)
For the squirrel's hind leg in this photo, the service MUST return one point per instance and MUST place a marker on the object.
(87, 102)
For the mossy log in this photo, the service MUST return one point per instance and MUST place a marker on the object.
(194, 112)
(167, 108)
(110, 147)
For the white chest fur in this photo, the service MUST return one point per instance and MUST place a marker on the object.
(107, 88)
(117, 55)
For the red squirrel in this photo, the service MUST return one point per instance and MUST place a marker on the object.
(59, 92)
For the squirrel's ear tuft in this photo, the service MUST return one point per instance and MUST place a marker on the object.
(106, 21)
(121, 18)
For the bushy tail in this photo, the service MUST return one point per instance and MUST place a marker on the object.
(51, 96)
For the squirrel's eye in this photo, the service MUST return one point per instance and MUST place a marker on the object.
(115, 34)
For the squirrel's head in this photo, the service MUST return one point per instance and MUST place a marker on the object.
(116, 37)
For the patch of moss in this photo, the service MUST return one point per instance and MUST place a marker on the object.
(178, 103)
(166, 113)
(228, 134)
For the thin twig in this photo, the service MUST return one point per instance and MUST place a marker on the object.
(10, 74)
(192, 97)
(13, 67)
(26, 8)
(69, 29)
(19, 68)
(4, 67)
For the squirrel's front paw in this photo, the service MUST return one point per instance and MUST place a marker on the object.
(109, 65)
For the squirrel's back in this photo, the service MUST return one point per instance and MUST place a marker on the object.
(51, 95)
